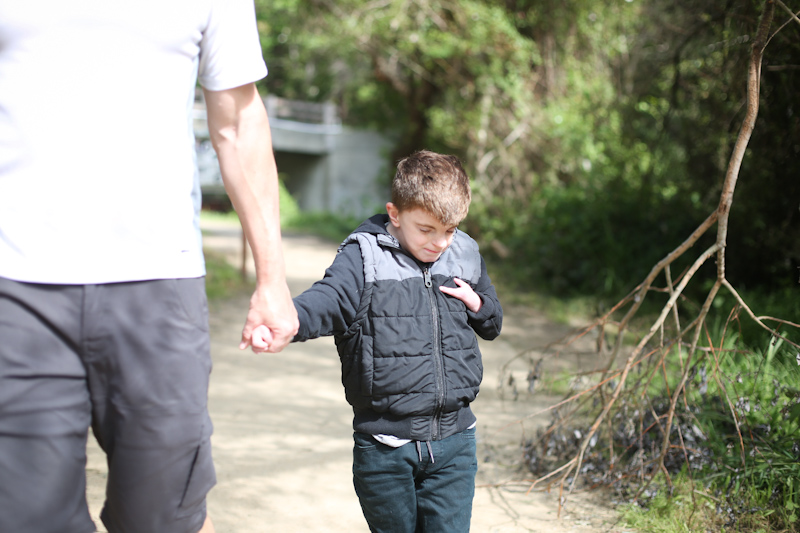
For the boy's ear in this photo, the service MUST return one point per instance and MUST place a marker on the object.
(392, 211)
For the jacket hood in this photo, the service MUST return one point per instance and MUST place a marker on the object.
(375, 225)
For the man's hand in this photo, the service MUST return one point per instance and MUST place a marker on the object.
(271, 322)
(464, 293)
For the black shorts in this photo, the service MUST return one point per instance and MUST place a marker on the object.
(132, 361)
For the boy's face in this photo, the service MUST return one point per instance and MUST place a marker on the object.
(419, 233)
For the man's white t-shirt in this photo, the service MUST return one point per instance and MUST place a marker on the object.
(97, 173)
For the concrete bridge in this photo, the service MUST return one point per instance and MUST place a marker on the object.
(324, 165)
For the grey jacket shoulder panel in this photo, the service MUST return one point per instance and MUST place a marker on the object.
(404, 267)
(453, 264)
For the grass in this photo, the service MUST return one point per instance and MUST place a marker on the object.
(559, 383)
(687, 510)
(690, 508)
(220, 216)
(326, 225)
(222, 278)
(746, 477)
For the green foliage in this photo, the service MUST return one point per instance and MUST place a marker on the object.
(590, 241)
(222, 278)
(286, 203)
(684, 509)
(593, 107)
(732, 459)
(327, 225)
(735, 438)
(226, 217)
(331, 226)
(689, 92)
(779, 303)
(314, 51)
(290, 211)
(751, 413)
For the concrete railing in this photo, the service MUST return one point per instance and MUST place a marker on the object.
(310, 117)
(299, 111)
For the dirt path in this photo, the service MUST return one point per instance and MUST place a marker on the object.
(283, 437)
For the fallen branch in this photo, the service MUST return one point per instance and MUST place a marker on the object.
(570, 472)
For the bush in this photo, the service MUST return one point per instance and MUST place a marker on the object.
(591, 242)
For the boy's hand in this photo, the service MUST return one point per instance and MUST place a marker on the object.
(464, 293)
(260, 339)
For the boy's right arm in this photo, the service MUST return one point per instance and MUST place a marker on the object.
(330, 305)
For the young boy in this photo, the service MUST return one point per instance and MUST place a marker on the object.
(404, 298)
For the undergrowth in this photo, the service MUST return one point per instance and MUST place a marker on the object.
(733, 463)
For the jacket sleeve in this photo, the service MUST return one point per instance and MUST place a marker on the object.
(488, 321)
(329, 306)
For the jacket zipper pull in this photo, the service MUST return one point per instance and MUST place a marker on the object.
(427, 274)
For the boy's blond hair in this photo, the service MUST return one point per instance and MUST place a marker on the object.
(434, 182)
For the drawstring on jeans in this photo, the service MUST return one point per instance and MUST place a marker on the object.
(430, 451)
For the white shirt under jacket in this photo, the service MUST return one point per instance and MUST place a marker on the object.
(97, 174)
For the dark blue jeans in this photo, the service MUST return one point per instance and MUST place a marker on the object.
(403, 490)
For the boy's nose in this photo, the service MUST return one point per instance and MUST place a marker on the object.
(440, 241)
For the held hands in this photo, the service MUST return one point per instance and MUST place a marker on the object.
(271, 322)
(464, 293)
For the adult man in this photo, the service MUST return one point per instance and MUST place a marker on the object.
(103, 319)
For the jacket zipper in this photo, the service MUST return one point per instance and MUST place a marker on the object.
(437, 356)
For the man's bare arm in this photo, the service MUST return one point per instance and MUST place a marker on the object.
(239, 129)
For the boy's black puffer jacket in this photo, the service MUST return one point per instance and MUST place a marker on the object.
(410, 360)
